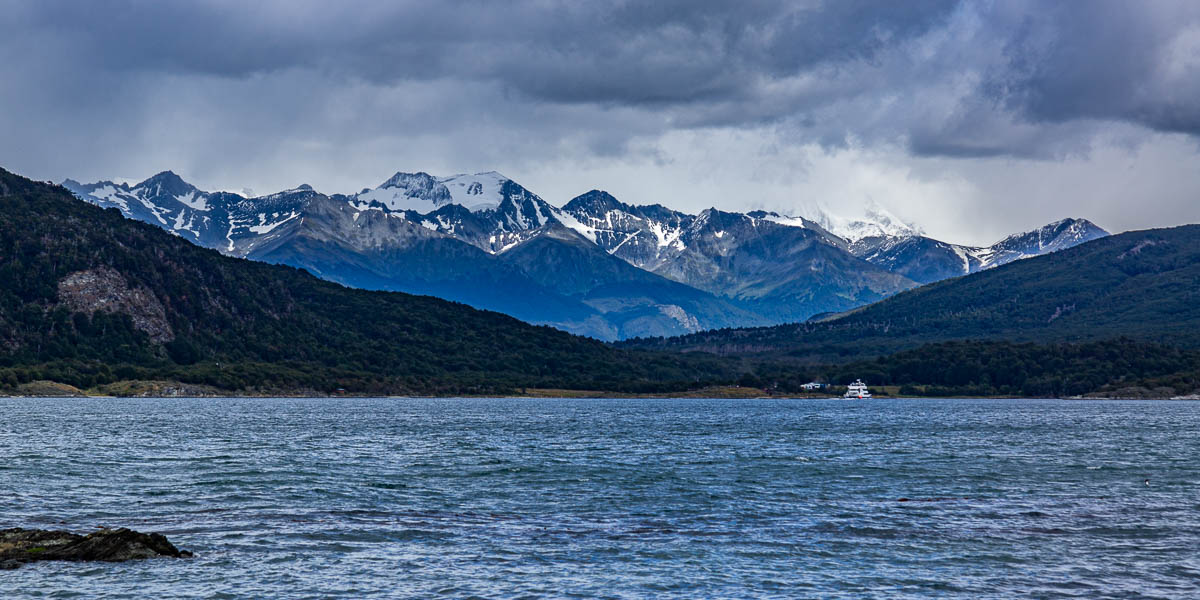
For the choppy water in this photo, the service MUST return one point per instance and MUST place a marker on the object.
(613, 498)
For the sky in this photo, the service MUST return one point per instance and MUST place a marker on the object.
(972, 120)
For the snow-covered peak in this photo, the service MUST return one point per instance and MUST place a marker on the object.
(481, 191)
(1055, 236)
(421, 192)
(300, 189)
(875, 222)
(166, 183)
(424, 193)
(594, 202)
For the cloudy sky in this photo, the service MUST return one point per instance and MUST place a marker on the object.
(972, 119)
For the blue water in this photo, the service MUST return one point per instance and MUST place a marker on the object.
(363, 498)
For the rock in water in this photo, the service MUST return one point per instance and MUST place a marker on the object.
(18, 546)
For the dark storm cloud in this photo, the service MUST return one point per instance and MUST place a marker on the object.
(947, 78)
(626, 53)
(1122, 61)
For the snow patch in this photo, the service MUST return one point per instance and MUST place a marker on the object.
(112, 195)
(153, 208)
(392, 199)
(785, 220)
(964, 256)
(264, 227)
(571, 222)
(477, 192)
(665, 236)
(193, 200)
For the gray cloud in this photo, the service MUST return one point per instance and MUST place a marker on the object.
(698, 63)
(272, 92)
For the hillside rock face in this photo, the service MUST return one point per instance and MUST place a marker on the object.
(106, 290)
(19, 546)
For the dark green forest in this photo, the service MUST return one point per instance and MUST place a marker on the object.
(974, 368)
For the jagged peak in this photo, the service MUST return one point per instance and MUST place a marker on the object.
(509, 187)
(594, 201)
(303, 188)
(1081, 229)
(405, 180)
(167, 180)
(713, 213)
(1077, 222)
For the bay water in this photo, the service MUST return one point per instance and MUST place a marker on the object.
(628, 498)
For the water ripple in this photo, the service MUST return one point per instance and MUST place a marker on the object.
(384, 498)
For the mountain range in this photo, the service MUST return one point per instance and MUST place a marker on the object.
(595, 266)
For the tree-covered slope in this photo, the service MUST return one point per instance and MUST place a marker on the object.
(1140, 284)
(87, 296)
(1117, 367)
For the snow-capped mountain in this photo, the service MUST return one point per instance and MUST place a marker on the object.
(222, 220)
(1056, 236)
(462, 238)
(876, 222)
(784, 268)
(487, 210)
(926, 260)
(596, 266)
(644, 236)
(423, 192)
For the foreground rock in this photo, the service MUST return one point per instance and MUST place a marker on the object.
(19, 546)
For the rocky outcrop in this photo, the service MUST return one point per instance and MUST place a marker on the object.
(104, 289)
(48, 389)
(19, 546)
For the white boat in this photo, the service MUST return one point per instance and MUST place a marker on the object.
(858, 389)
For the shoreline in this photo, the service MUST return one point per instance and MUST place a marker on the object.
(589, 395)
(174, 389)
